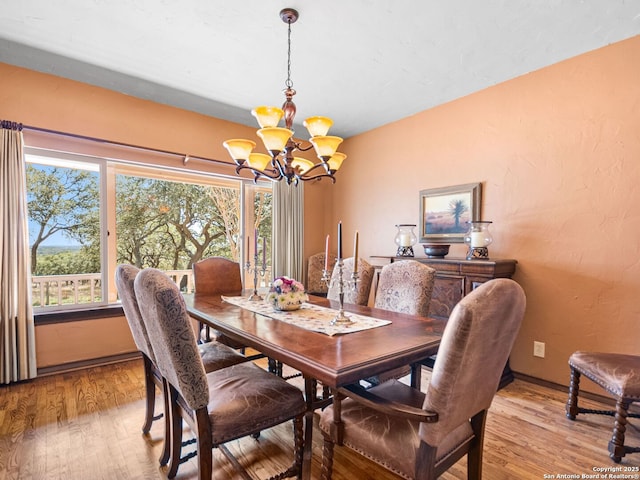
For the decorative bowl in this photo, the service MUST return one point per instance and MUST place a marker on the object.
(286, 305)
(286, 294)
(435, 250)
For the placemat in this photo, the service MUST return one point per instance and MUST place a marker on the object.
(310, 317)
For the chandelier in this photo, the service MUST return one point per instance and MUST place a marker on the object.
(281, 163)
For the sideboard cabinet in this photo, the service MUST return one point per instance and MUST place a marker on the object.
(456, 277)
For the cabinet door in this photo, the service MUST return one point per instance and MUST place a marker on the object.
(447, 292)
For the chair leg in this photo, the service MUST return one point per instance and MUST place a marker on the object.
(298, 442)
(474, 456)
(207, 332)
(572, 402)
(616, 445)
(425, 467)
(204, 444)
(150, 394)
(174, 436)
(327, 460)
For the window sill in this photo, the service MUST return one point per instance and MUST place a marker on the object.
(49, 318)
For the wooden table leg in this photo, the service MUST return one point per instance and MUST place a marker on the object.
(310, 396)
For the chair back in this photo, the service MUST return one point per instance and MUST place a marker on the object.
(315, 267)
(216, 275)
(359, 296)
(174, 343)
(405, 287)
(124, 278)
(475, 346)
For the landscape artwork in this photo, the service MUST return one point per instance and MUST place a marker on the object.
(444, 212)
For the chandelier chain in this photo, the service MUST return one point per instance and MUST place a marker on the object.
(289, 83)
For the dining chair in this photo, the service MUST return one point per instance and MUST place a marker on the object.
(124, 277)
(315, 269)
(217, 275)
(220, 406)
(619, 375)
(358, 295)
(214, 355)
(404, 287)
(419, 435)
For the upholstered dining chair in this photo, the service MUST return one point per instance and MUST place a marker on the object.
(359, 295)
(219, 406)
(217, 275)
(619, 375)
(315, 268)
(214, 355)
(124, 277)
(420, 435)
(403, 286)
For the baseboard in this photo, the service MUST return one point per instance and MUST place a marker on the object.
(93, 362)
(607, 400)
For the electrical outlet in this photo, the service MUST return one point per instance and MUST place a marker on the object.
(538, 349)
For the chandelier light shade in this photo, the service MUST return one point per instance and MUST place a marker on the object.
(259, 161)
(336, 160)
(318, 126)
(267, 116)
(281, 164)
(303, 164)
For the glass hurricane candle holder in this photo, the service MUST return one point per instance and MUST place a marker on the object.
(405, 240)
(478, 238)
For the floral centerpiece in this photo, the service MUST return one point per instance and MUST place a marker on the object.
(286, 294)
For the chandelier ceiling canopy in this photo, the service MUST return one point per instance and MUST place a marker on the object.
(281, 163)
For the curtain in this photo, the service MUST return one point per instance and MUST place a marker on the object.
(17, 332)
(288, 230)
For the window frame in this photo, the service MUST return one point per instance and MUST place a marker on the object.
(109, 168)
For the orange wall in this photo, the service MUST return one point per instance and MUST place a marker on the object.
(50, 102)
(558, 154)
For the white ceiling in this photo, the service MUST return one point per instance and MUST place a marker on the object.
(364, 63)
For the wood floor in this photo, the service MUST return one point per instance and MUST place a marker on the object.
(86, 425)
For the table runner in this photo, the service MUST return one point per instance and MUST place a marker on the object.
(309, 316)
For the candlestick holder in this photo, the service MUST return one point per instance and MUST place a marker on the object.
(256, 269)
(342, 284)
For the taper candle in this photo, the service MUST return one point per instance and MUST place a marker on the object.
(340, 240)
(248, 244)
(326, 254)
(264, 253)
(355, 253)
(255, 243)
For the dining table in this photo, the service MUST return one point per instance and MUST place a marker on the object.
(323, 357)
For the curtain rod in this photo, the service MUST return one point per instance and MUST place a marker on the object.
(9, 125)
(186, 157)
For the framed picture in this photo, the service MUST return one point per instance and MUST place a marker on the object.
(444, 212)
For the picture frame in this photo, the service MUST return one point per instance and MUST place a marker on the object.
(445, 211)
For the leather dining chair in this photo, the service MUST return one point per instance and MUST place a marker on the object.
(214, 355)
(619, 375)
(420, 435)
(217, 275)
(359, 295)
(220, 406)
(404, 286)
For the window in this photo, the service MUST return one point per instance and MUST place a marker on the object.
(63, 199)
(87, 215)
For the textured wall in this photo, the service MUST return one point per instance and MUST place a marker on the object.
(558, 153)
